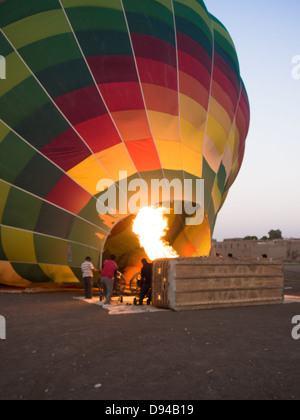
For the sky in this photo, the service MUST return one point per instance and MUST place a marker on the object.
(266, 194)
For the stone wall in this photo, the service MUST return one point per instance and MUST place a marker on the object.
(285, 250)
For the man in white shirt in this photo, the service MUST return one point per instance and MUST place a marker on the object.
(87, 269)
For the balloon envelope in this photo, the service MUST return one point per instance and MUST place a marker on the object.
(115, 90)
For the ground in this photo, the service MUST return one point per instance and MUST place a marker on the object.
(58, 347)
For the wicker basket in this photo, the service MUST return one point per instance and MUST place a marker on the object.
(198, 283)
(160, 283)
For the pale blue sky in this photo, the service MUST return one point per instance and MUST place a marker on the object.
(266, 195)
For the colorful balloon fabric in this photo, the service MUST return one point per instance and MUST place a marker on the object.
(95, 88)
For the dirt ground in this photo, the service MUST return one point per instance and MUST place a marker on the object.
(60, 348)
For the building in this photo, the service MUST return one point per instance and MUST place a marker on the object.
(288, 250)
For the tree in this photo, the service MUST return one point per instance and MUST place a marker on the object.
(251, 238)
(275, 234)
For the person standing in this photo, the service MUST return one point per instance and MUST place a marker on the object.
(146, 275)
(87, 269)
(107, 278)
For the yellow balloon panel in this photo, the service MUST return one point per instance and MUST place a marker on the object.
(193, 112)
(18, 74)
(216, 196)
(168, 152)
(211, 154)
(37, 27)
(59, 274)
(4, 191)
(219, 114)
(217, 133)
(18, 245)
(192, 161)
(164, 126)
(9, 276)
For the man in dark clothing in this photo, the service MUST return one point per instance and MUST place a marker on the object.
(146, 275)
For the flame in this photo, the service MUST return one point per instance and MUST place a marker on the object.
(151, 226)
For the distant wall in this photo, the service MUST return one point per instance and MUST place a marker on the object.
(286, 250)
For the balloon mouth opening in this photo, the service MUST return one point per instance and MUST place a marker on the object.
(156, 232)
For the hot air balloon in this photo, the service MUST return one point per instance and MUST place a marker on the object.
(110, 90)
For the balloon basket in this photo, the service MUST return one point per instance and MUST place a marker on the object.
(201, 283)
